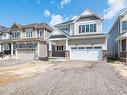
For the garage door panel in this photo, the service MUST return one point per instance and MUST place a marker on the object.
(91, 55)
(24, 54)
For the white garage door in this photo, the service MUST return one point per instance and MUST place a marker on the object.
(27, 54)
(86, 53)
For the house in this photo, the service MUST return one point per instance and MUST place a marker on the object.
(79, 39)
(25, 41)
(117, 42)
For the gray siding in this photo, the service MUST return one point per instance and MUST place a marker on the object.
(112, 44)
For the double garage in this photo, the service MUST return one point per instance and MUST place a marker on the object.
(29, 54)
(86, 53)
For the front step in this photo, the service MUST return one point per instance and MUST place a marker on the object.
(57, 59)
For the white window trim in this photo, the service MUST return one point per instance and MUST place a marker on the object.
(29, 31)
(89, 28)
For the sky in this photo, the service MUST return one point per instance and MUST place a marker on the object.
(57, 11)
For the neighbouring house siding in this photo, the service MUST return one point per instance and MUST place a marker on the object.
(112, 44)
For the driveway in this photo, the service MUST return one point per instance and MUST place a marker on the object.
(70, 78)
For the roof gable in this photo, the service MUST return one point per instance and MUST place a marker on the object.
(88, 13)
(57, 33)
(15, 25)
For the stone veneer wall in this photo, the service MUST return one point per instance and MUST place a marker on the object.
(105, 55)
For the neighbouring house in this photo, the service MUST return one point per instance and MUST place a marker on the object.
(79, 39)
(117, 42)
(25, 41)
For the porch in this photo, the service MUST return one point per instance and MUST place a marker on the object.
(58, 49)
(122, 49)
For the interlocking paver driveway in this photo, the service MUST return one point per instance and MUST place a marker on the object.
(71, 79)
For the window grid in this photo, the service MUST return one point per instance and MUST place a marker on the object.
(87, 28)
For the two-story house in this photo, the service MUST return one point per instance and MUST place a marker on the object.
(117, 42)
(79, 39)
(25, 41)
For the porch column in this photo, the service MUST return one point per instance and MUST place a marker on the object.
(118, 49)
(44, 34)
(11, 48)
(126, 44)
(38, 48)
(66, 44)
(67, 49)
(0, 47)
(50, 46)
(50, 49)
(120, 45)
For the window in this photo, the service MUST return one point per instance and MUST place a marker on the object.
(92, 27)
(40, 33)
(124, 25)
(87, 28)
(65, 29)
(59, 48)
(124, 45)
(15, 35)
(28, 33)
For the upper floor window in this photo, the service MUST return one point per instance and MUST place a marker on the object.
(87, 28)
(65, 29)
(40, 33)
(28, 33)
(15, 35)
(124, 25)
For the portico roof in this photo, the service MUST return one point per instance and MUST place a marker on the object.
(122, 36)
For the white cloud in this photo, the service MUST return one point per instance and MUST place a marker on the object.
(55, 19)
(46, 13)
(115, 6)
(64, 2)
(74, 17)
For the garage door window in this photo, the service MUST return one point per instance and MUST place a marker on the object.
(89, 48)
(81, 48)
(74, 48)
(97, 48)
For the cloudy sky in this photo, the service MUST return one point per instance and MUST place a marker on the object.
(56, 11)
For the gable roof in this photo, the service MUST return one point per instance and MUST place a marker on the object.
(58, 32)
(2, 28)
(16, 25)
(38, 25)
(121, 15)
(123, 12)
(88, 12)
(66, 22)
